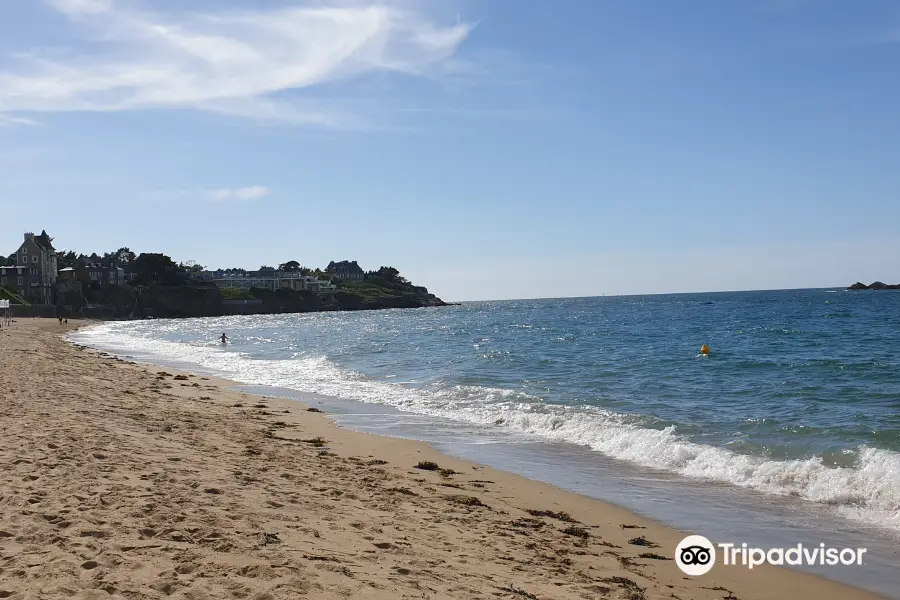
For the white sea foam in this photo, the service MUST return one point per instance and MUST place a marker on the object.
(868, 491)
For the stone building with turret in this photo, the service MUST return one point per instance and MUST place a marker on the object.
(33, 276)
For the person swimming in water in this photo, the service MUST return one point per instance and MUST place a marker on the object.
(224, 339)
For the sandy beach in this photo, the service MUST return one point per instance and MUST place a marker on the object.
(123, 481)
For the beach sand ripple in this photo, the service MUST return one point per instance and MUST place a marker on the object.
(120, 481)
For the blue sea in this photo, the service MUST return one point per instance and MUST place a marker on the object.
(798, 401)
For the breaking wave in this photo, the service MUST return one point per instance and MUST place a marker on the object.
(866, 487)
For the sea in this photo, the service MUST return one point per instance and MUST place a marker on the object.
(787, 432)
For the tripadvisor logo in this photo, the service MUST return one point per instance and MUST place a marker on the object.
(695, 555)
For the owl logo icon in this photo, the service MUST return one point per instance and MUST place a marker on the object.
(695, 555)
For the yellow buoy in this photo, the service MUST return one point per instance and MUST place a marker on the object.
(704, 349)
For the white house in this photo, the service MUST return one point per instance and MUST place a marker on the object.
(280, 279)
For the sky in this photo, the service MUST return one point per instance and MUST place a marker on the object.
(488, 149)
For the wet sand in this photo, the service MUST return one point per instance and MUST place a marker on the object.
(122, 481)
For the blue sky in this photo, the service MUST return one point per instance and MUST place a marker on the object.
(486, 148)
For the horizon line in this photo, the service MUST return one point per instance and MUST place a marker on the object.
(835, 288)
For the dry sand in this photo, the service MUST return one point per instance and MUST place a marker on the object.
(120, 481)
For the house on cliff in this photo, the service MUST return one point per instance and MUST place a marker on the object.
(90, 269)
(17, 278)
(345, 270)
(88, 272)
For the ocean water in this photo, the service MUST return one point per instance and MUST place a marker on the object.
(800, 396)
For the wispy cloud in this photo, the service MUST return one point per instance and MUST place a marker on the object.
(251, 63)
(8, 121)
(82, 7)
(239, 194)
(253, 192)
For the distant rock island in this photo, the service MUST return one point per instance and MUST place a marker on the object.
(875, 286)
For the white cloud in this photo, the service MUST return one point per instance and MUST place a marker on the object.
(7, 121)
(253, 192)
(81, 7)
(232, 62)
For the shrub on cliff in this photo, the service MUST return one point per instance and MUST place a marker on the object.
(233, 294)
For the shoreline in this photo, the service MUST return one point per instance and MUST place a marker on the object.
(233, 489)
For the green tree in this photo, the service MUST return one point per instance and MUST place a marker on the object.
(120, 258)
(66, 259)
(390, 274)
(124, 257)
(194, 268)
(291, 266)
(157, 268)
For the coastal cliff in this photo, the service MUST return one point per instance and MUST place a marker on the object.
(194, 299)
(178, 301)
(123, 284)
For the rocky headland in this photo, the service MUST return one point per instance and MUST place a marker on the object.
(874, 286)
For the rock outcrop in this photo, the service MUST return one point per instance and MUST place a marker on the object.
(165, 301)
(877, 285)
(286, 301)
